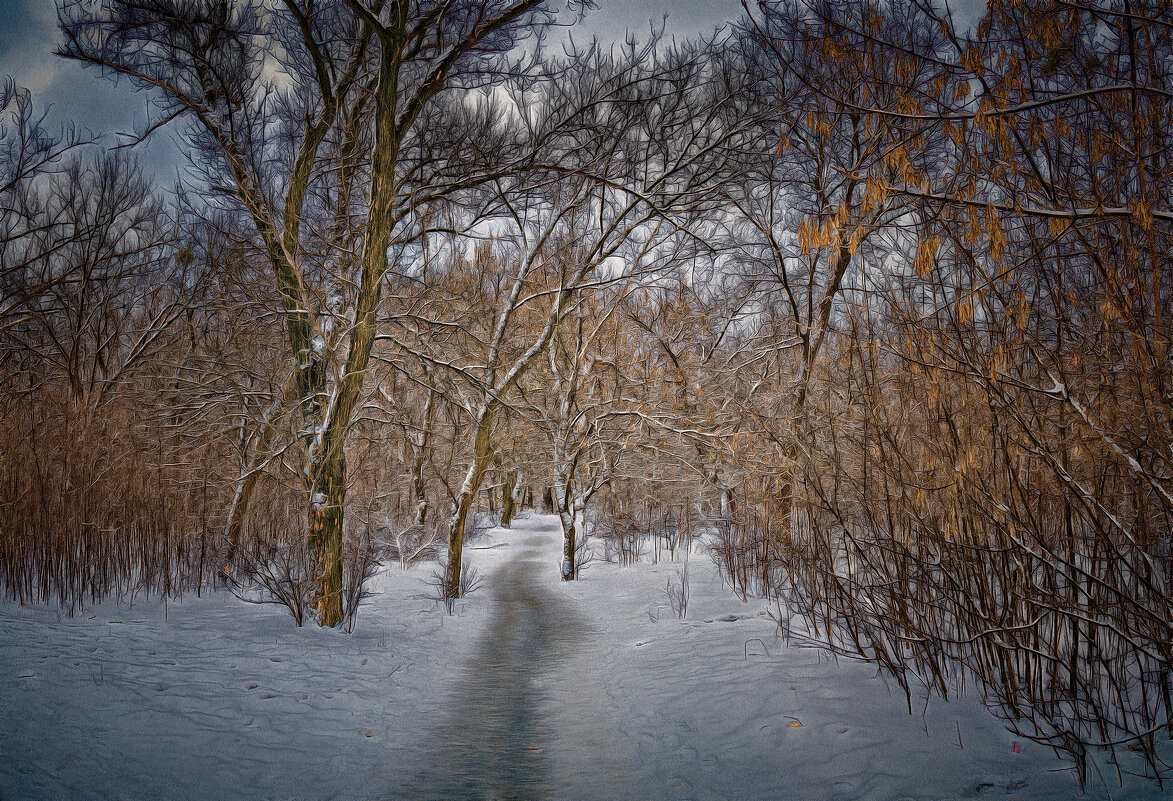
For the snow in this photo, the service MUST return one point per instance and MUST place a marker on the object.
(536, 687)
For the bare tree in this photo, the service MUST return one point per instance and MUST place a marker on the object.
(627, 156)
(366, 76)
(573, 415)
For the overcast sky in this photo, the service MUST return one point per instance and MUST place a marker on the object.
(28, 36)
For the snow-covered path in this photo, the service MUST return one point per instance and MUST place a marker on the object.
(493, 740)
(535, 689)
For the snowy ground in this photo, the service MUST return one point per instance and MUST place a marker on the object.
(534, 689)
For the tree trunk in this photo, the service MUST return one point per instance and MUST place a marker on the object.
(418, 492)
(569, 545)
(328, 495)
(510, 497)
(564, 498)
(418, 489)
(236, 513)
(506, 503)
(482, 458)
(456, 541)
(327, 457)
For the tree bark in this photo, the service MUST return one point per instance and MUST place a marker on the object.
(325, 539)
(419, 491)
(563, 497)
(482, 458)
(506, 505)
(510, 492)
(569, 546)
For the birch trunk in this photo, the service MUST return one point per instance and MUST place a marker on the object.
(569, 543)
(418, 489)
(564, 505)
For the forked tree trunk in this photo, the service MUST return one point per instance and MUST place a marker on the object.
(327, 454)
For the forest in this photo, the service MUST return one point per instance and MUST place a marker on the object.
(874, 301)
